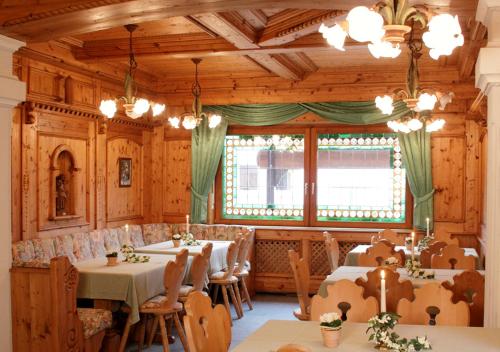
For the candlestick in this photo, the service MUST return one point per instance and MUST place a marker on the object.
(383, 307)
(187, 223)
(412, 246)
(427, 220)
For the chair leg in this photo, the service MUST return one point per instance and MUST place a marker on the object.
(238, 297)
(142, 332)
(180, 331)
(234, 300)
(215, 293)
(226, 302)
(152, 333)
(123, 341)
(246, 294)
(164, 337)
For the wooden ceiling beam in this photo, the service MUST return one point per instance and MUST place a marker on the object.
(257, 18)
(470, 51)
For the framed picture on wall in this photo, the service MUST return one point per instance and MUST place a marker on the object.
(124, 172)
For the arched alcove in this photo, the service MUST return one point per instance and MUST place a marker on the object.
(63, 183)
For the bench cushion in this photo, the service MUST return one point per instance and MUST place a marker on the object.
(97, 246)
(156, 233)
(45, 249)
(136, 239)
(81, 244)
(111, 241)
(94, 320)
(64, 247)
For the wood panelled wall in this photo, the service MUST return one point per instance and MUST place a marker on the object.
(61, 112)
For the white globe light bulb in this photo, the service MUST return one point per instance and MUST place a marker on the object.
(365, 25)
(385, 104)
(108, 108)
(335, 36)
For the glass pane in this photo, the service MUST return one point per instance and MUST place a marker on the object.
(263, 177)
(360, 177)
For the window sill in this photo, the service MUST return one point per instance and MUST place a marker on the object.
(330, 229)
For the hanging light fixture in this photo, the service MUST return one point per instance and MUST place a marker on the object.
(190, 120)
(385, 25)
(134, 106)
(419, 101)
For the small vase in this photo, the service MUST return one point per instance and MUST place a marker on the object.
(177, 243)
(331, 337)
(112, 261)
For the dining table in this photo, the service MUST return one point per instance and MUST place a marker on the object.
(351, 258)
(276, 333)
(218, 258)
(132, 283)
(353, 272)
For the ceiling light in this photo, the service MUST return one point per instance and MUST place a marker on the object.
(365, 25)
(444, 35)
(384, 49)
(385, 104)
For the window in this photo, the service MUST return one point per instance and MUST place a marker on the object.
(263, 177)
(360, 178)
(312, 177)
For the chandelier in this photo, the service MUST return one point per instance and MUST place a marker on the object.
(134, 106)
(385, 25)
(419, 101)
(190, 120)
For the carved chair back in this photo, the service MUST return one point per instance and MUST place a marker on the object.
(426, 254)
(173, 276)
(332, 251)
(453, 257)
(300, 270)
(199, 267)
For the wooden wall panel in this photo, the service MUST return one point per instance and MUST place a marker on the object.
(124, 203)
(176, 179)
(16, 173)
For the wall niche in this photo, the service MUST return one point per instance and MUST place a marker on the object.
(63, 184)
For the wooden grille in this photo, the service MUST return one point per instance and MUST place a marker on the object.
(319, 259)
(272, 256)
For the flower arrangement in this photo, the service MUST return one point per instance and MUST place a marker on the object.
(331, 325)
(391, 261)
(408, 242)
(381, 326)
(112, 255)
(189, 240)
(424, 243)
(131, 257)
(177, 237)
(414, 269)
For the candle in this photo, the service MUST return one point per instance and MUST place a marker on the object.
(427, 220)
(126, 227)
(412, 246)
(187, 223)
(383, 307)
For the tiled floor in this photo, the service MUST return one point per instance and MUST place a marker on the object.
(266, 307)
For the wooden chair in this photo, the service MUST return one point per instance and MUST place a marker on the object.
(300, 270)
(332, 251)
(198, 273)
(241, 270)
(391, 236)
(345, 298)
(468, 287)
(208, 329)
(426, 254)
(293, 348)
(446, 237)
(163, 307)
(227, 281)
(453, 257)
(433, 306)
(376, 254)
(395, 289)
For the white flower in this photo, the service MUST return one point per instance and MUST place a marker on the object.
(329, 317)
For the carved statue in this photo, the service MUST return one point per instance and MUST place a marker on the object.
(61, 195)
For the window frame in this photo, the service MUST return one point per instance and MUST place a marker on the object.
(310, 133)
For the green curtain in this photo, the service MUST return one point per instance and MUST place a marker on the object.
(206, 150)
(209, 144)
(416, 152)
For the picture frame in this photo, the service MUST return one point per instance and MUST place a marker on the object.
(124, 172)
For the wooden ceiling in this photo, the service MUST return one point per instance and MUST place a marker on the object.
(244, 43)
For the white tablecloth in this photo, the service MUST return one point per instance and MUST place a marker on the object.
(276, 333)
(351, 258)
(218, 259)
(353, 272)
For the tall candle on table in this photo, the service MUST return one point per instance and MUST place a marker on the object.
(187, 223)
(412, 246)
(427, 220)
(383, 307)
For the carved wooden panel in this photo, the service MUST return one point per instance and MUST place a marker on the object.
(44, 84)
(319, 259)
(271, 256)
(124, 203)
(448, 171)
(176, 178)
(81, 93)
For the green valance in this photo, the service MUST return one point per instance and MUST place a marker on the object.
(207, 145)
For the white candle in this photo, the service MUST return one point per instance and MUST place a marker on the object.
(383, 307)
(427, 227)
(126, 227)
(412, 246)
(187, 223)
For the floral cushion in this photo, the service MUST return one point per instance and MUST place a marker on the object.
(94, 320)
(96, 239)
(45, 249)
(154, 302)
(230, 232)
(155, 233)
(111, 240)
(64, 246)
(177, 228)
(81, 243)
(202, 231)
(123, 236)
(135, 233)
(22, 252)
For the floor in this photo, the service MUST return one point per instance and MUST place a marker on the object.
(266, 307)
